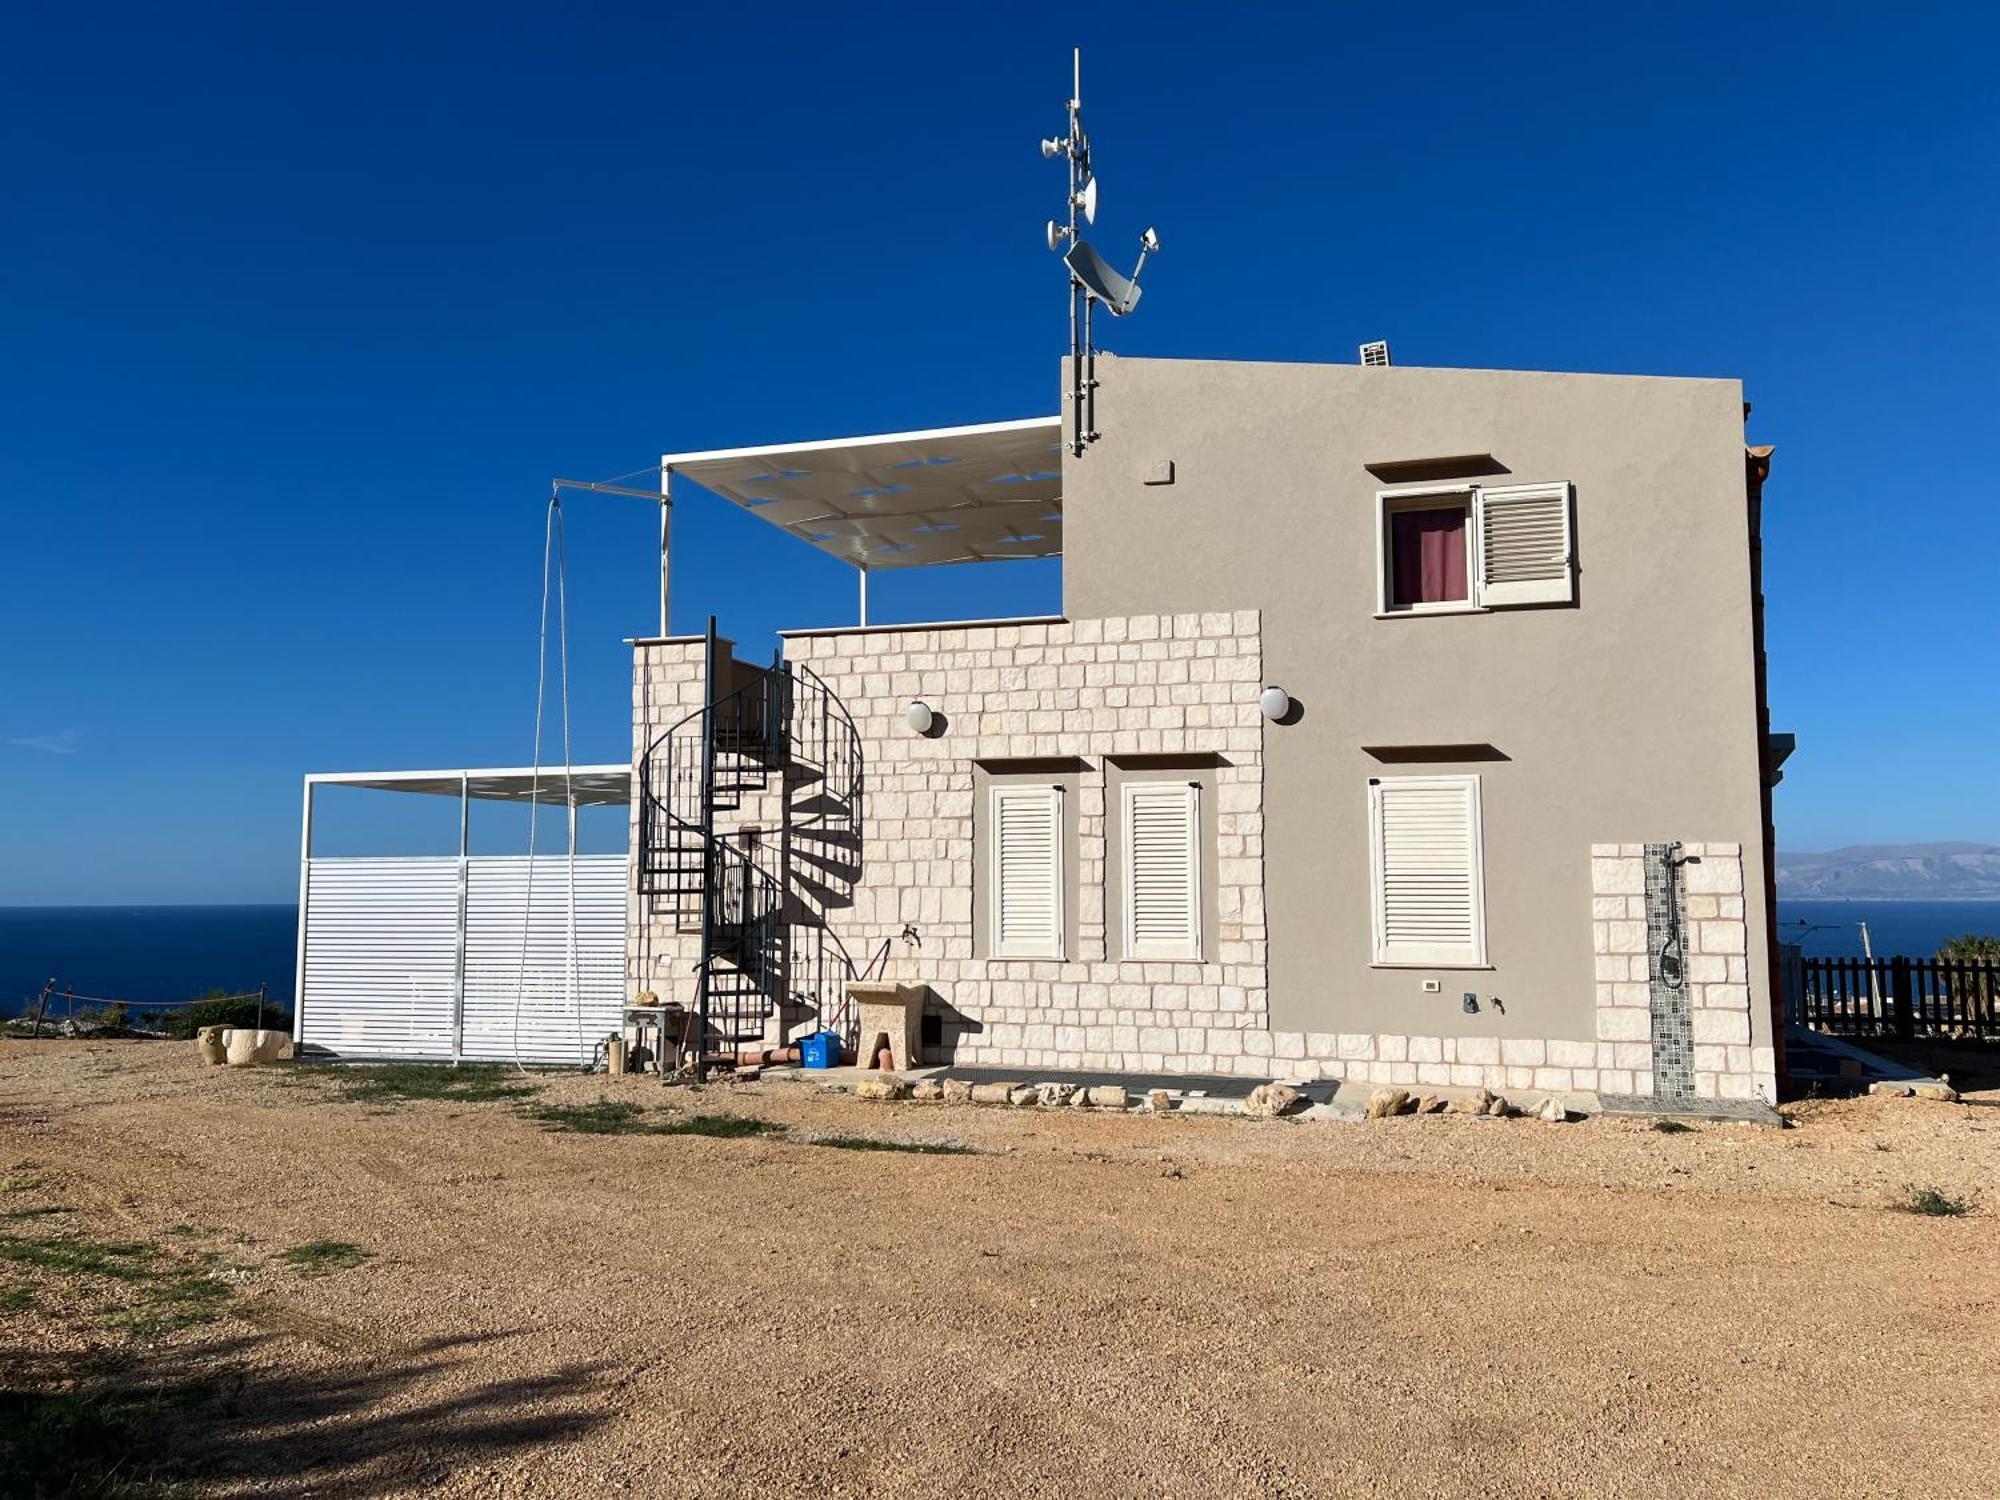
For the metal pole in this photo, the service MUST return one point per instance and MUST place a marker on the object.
(464, 910)
(575, 1006)
(708, 863)
(305, 891)
(666, 537)
(864, 595)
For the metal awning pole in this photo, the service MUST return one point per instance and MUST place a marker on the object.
(666, 536)
(864, 595)
(305, 891)
(464, 903)
(575, 1003)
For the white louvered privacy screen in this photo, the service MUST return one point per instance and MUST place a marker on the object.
(1428, 885)
(1027, 871)
(381, 975)
(1524, 545)
(1162, 855)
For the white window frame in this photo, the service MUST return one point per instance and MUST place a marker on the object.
(1388, 503)
(1481, 597)
(1052, 945)
(1414, 956)
(1188, 949)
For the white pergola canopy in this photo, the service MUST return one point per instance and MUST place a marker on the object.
(594, 786)
(986, 493)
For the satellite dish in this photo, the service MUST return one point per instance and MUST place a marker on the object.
(1087, 201)
(1091, 278)
(1106, 285)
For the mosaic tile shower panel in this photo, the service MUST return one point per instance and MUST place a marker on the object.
(1666, 978)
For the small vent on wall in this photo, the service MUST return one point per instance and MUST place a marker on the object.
(1375, 356)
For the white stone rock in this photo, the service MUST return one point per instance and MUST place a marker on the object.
(1270, 1100)
(1385, 1103)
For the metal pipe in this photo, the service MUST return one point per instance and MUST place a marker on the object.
(305, 885)
(464, 897)
(666, 537)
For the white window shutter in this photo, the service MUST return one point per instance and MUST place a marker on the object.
(1526, 552)
(1162, 894)
(1430, 897)
(1027, 872)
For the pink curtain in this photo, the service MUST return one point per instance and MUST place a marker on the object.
(1427, 556)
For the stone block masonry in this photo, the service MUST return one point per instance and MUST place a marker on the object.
(669, 682)
(1085, 694)
(1712, 1004)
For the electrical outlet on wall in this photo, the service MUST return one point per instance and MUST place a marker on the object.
(1433, 986)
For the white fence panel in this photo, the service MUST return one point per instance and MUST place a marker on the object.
(551, 1028)
(381, 957)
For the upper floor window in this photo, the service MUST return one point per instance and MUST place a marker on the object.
(1474, 547)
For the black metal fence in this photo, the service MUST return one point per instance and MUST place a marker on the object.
(1901, 997)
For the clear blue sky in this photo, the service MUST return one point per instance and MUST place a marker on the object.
(304, 304)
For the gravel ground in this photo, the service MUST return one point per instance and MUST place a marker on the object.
(1082, 1305)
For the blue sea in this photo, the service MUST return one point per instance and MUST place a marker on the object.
(1914, 929)
(155, 953)
(146, 953)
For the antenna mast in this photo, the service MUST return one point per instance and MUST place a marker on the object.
(1091, 280)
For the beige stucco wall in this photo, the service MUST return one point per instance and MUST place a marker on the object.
(1627, 718)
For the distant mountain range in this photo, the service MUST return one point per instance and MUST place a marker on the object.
(1886, 872)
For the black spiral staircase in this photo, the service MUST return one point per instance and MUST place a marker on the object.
(778, 743)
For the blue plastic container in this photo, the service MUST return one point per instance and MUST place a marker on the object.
(821, 1049)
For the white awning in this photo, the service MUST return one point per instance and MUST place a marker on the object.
(903, 499)
(595, 786)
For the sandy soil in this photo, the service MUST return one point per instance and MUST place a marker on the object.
(1088, 1305)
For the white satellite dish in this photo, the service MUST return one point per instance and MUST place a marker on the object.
(1106, 285)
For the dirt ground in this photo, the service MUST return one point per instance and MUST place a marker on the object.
(1080, 1305)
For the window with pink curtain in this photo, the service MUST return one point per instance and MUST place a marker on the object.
(1427, 557)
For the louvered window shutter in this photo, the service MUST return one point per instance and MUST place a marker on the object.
(1430, 900)
(1525, 548)
(1162, 869)
(1027, 872)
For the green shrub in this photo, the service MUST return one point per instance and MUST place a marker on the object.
(1935, 1202)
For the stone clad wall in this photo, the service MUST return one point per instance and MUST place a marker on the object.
(1083, 690)
(1717, 984)
(1090, 691)
(669, 682)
